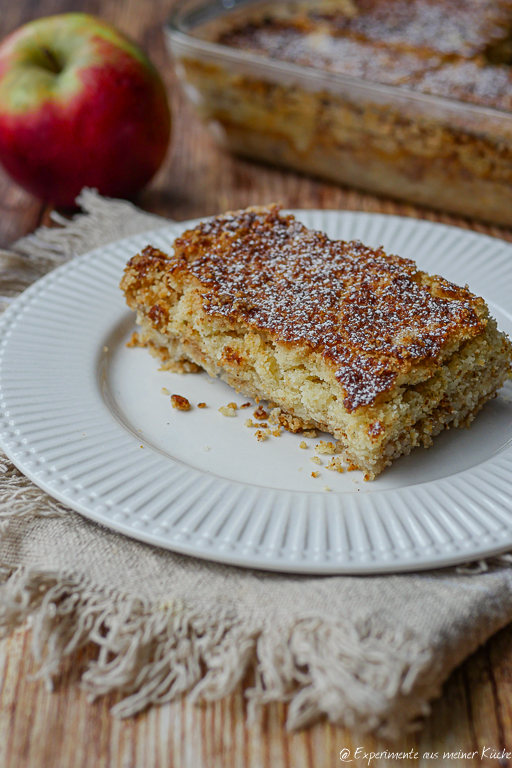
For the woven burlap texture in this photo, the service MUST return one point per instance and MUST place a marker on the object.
(367, 652)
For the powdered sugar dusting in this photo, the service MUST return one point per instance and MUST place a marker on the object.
(462, 27)
(338, 54)
(447, 27)
(471, 82)
(438, 47)
(364, 311)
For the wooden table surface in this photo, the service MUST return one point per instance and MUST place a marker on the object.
(62, 729)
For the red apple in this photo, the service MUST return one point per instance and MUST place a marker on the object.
(80, 106)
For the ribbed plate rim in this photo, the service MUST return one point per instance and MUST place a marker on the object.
(475, 547)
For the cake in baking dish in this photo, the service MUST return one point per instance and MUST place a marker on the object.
(341, 337)
(405, 98)
(385, 41)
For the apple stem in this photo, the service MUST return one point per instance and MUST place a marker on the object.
(54, 64)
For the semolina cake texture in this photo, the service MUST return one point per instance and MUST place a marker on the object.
(341, 337)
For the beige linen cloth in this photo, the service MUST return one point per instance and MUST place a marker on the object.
(367, 652)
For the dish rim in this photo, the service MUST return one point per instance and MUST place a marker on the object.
(211, 554)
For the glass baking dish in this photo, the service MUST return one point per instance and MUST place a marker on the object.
(385, 139)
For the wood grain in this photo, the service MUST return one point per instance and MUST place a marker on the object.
(39, 729)
(63, 730)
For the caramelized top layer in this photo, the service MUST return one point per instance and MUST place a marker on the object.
(471, 82)
(343, 55)
(452, 27)
(373, 316)
(394, 42)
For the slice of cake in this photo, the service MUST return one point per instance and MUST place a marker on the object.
(341, 337)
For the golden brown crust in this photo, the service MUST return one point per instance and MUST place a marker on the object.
(371, 316)
(451, 48)
(343, 55)
(470, 81)
(451, 27)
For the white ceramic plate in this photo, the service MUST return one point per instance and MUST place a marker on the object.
(85, 418)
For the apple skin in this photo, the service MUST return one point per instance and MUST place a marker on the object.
(80, 106)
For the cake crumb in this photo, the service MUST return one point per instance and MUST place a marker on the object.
(245, 405)
(315, 460)
(303, 444)
(274, 416)
(290, 423)
(227, 410)
(325, 447)
(276, 432)
(206, 447)
(315, 474)
(335, 464)
(234, 406)
(201, 405)
(260, 413)
(249, 423)
(136, 341)
(165, 391)
(309, 433)
(267, 431)
(326, 488)
(260, 435)
(179, 402)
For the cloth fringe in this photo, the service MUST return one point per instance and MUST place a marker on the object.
(102, 221)
(21, 498)
(152, 654)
